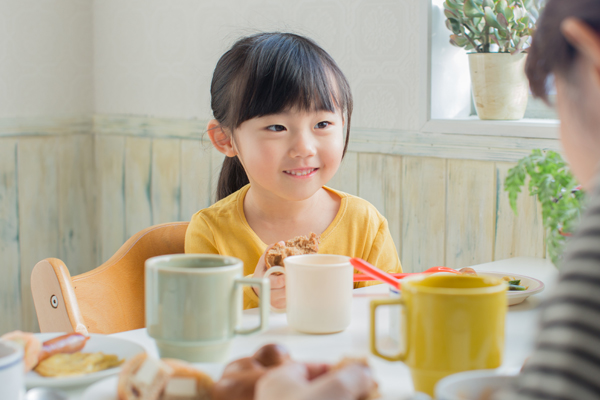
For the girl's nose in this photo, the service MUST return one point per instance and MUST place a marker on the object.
(303, 145)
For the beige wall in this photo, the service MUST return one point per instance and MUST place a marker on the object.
(157, 57)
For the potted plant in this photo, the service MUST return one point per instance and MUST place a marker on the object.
(497, 33)
(556, 189)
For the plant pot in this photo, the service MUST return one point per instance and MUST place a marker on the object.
(500, 87)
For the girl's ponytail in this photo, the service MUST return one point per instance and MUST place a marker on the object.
(232, 177)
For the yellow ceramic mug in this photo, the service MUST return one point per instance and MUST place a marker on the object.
(452, 323)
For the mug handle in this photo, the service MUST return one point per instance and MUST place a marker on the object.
(270, 271)
(265, 299)
(373, 338)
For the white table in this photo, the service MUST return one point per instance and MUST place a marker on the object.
(394, 378)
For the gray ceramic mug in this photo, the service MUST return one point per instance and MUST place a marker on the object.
(194, 305)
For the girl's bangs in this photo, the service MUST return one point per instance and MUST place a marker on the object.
(288, 75)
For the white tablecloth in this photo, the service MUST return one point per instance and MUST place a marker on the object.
(393, 378)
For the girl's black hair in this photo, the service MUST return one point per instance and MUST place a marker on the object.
(550, 52)
(269, 73)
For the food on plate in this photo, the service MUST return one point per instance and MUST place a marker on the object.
(31, 347)
(147, 378)
(346, 361)
(239, 377)
(69, 343)
(514, 283)
(467, 271)
(35, 352)
(71, 364)
(293, 247)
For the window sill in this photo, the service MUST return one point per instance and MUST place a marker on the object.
(524, 128)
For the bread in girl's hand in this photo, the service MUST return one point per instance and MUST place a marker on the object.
(346, 361)
(293, 247)
(147, 378)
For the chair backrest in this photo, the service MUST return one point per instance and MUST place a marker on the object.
(109, 298)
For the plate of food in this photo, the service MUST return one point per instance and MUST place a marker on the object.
(520, 287)
(64, 360)
(144, 377)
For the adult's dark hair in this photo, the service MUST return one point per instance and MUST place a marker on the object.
(550, 52)
(268, 73)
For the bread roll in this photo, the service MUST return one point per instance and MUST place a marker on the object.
(143, 378)
(239, 377)
(146, 378)
(181, 369)
(31, 347)
(346, 361)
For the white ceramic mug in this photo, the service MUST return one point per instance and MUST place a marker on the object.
(318, 292)
(12, 379)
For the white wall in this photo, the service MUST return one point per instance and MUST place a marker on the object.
(156, 57)
(45, 58)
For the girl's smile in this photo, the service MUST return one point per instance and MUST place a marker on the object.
(302, 173)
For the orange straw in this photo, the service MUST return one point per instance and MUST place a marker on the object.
(374, 272)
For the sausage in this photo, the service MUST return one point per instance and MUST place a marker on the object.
(69, 343)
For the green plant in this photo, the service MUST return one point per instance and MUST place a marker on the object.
(557, 190)
(477, 24)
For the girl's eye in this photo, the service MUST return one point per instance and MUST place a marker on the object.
(322, 125)
(276, 128)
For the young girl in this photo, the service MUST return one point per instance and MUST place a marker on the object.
(280, 104)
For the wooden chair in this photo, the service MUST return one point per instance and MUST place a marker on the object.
(109, 298)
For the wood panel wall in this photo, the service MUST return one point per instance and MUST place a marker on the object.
(79, 196)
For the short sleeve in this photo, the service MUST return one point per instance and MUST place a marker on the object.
(199, 237)
(383, 253)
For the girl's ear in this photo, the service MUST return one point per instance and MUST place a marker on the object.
(220, 138)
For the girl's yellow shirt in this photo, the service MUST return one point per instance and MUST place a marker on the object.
(358, 230)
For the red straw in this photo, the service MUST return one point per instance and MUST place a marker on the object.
(365, 277)
(374, 272)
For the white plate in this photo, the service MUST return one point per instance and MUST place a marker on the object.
(472, 384)
(517, 296)
(124, 349)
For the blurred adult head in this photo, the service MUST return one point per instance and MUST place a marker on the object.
(566, 44)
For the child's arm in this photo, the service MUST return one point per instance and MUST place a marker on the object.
(383, 254)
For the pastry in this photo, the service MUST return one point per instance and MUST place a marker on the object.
(293, 247)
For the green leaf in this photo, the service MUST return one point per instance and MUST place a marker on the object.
(454, 26)
(491, 20)
(550, 180)
(472, 10)
(455, 4)
(449, 14)
(509, 14)
(459, 41)
(488, 3)
(532, 8)
(502, 20)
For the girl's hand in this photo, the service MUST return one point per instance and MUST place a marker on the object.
(277, 280)
(295, 381)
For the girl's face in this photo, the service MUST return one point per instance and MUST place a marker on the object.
(291, 155)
